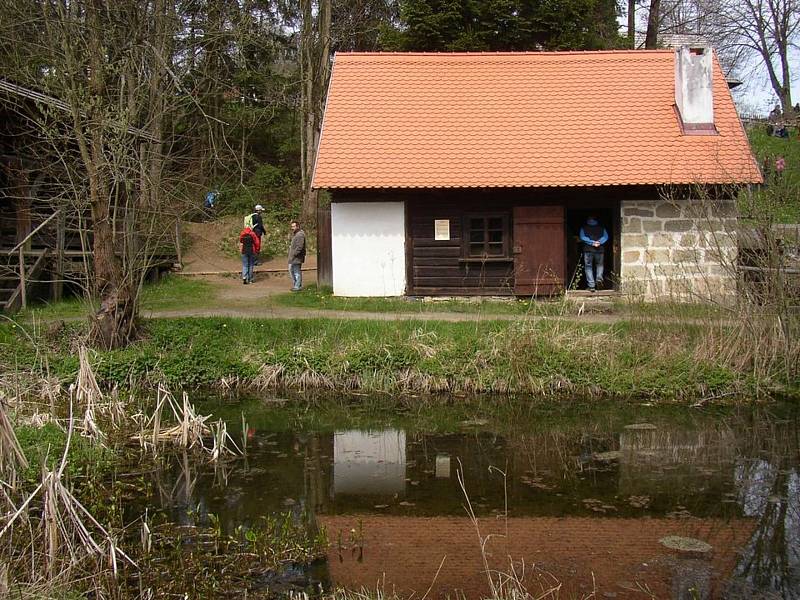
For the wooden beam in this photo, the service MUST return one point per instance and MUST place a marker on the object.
(58, 271)
(22, 283)
(178, 241)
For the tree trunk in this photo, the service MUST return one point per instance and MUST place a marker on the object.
(315, 42)
(651, 39)
(114, 324)
(632, 24)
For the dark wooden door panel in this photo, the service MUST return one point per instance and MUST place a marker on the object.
(324, 246)
(539, 250)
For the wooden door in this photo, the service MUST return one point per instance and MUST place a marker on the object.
(539, 250)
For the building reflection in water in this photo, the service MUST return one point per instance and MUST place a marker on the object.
(587, 506)
(366, 462)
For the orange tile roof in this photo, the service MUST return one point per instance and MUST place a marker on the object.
(522, 119)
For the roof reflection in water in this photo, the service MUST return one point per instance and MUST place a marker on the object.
(587, 505)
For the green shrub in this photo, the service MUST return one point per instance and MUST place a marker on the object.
(271, 186)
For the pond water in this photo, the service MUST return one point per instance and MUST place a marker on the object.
(582, 501)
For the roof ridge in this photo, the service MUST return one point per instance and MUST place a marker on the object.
(508, 53)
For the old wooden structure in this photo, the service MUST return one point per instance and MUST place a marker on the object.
(45, 234)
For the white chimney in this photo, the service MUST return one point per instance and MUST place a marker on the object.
(694, 96)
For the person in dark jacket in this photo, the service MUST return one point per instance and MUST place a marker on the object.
(249, 247)
(297, 256)
(594, 237)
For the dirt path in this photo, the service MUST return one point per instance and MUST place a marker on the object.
(229, 292)
(211, 248)
(275, 312)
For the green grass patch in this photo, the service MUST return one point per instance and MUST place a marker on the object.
(673, 310)
(45, 446)
(67, 308)
(175, 292)
(544, 358)
(779, 200)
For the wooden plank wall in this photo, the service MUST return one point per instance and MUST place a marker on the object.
(437, 267)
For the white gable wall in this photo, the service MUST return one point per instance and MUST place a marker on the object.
(368, 248)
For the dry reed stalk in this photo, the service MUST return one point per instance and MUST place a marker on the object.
(87, 393)
(187, 433)
(66, 525)
(309, 379)
(221, 440)
(146, 535)
(12, 459)
(115, 409)
(87, 389)
(269, 376)
(90, 428)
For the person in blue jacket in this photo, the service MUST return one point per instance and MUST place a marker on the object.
(594, 237)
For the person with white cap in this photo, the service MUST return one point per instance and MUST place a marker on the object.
(255, 222)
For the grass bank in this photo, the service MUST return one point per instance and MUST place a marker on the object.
(780, 206)
(546, 358)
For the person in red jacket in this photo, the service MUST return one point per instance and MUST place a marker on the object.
(249, 247)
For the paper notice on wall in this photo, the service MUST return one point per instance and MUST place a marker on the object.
(441, 229)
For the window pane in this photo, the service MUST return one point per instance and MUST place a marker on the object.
(495, 250)
(476, 223)
(476, 236)
(496, 236)
(495, 223)
(476, 249)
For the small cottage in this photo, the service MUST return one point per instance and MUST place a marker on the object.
(472, 173)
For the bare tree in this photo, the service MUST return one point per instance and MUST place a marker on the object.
(765, 30)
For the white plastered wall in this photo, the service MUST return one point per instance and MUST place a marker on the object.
(368, 248)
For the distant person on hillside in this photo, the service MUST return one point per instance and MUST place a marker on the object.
(297, 256)
(780, 165)
(594, 237)
(781, 131)
(211, 199)
(249, 246)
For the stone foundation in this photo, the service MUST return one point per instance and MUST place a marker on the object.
(678, 249)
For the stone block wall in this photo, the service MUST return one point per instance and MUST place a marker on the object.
(678, 249)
